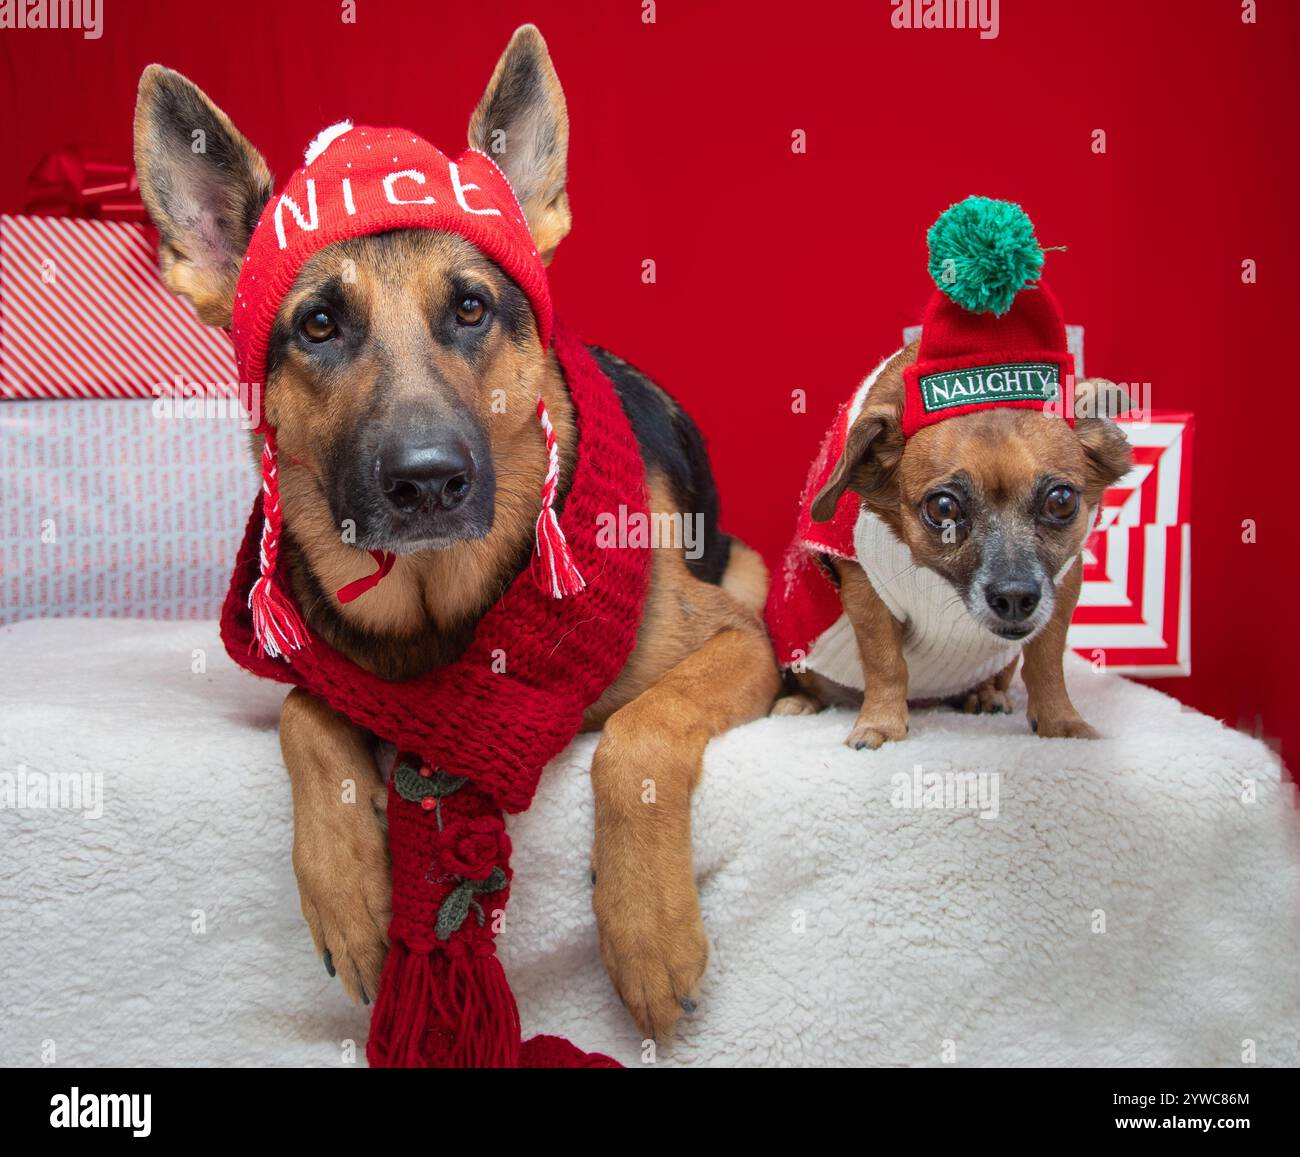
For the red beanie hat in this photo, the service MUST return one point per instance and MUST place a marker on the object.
(354, 182)
(988, 339)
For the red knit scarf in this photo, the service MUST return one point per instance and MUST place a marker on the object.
(473, 743)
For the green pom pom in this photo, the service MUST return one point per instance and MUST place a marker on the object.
(983, 252)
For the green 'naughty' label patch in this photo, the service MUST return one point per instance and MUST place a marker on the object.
(1012, 382)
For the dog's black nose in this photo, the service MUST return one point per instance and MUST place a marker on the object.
(1013, 602)
(438, 475)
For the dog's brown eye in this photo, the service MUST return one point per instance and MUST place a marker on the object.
(942, 507)
(1061, 503)
(470, 311)
(319, 326)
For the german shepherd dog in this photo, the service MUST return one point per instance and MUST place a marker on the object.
(363, 382)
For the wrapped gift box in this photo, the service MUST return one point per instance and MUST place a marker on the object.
(132, 508)
(83, 314)
(1134, 613)
(108, 509)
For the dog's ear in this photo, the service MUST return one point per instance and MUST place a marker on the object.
(521, 123)
(1097, 402)
(872, 451)
(204, 186)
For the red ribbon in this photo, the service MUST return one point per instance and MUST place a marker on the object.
(69, 182)
(358, 587)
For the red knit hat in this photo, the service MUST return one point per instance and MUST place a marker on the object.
(989, 339)
(354, 182)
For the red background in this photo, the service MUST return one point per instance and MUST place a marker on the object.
(778, 270)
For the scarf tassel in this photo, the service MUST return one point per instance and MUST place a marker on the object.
(277, 627)
(554, 570)
(433, 1011)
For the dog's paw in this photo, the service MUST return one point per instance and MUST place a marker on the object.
(654, 948)
(796, 704)
(871, 733)
(341, 861)
(1071, 727)
(986, 699)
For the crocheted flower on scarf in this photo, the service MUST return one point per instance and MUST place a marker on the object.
(472, 848)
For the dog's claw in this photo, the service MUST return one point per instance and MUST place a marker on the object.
(329, 962)
(1070, 728)
(869, 734)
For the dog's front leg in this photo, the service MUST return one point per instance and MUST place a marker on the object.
(884, 670)
(646, 766)
(1051, 714)
(340, 854)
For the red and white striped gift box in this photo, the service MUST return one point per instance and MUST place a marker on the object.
(83, 314)
(1134, 613)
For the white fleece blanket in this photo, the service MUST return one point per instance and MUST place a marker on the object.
(1133, 900)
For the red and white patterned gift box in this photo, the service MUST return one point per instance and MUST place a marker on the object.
(83, 314)
(128, 509)
(1134, 613)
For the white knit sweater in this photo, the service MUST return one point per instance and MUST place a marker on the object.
(946, 650)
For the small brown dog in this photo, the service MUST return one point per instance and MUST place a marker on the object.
(383, 385)
(977, 496)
